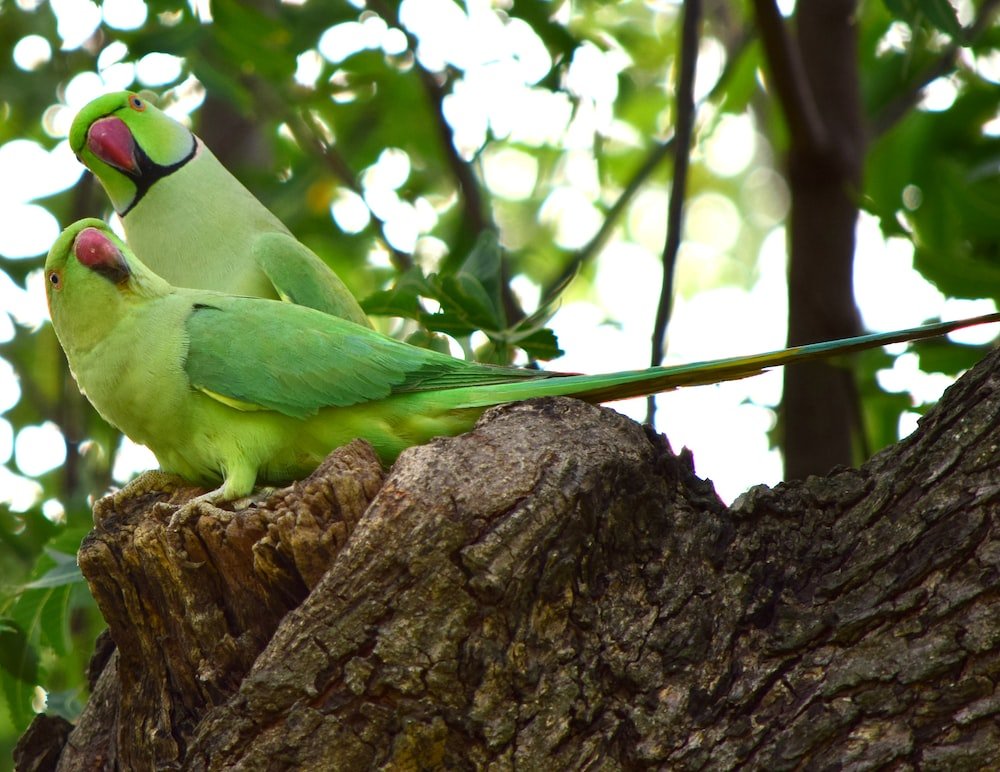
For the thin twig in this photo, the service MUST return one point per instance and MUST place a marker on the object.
(656, 155)
(682, 144)
(304, 128)
(308, 136)
(789, 76)
(460, 169)
(889, 115)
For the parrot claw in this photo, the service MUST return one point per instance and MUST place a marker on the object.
(217, 499)
(254, 499)
(153, 481)
(214, 497)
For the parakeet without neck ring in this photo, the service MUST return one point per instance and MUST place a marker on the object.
(190, 220)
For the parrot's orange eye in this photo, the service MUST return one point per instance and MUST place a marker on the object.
(55, 280)
(136, 103)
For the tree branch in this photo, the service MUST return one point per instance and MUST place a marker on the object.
(789, 76)
(308, 136)
(894, 111)
(657, 153)
(472, 198)
(682, 144)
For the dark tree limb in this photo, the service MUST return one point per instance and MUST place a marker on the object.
(557, 589)
(816, 79)
(791, 82)
(474, 215)
(683, 133)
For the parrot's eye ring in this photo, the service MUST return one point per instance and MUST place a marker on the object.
(55, 280)
(136, 103)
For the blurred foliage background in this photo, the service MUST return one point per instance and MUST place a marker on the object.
(461, 164)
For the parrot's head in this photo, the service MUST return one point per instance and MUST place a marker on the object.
(91, 278)
(129, 144)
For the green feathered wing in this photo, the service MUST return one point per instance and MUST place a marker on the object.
(261, 355)
(300, 277)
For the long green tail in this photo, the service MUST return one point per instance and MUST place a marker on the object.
(653, 380)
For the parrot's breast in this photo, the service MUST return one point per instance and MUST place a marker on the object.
(134, 375)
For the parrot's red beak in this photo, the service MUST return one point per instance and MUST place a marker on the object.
(95, 250)
(111, 141)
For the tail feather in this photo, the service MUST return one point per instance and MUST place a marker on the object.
(654, 380)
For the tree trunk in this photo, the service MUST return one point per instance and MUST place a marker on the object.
(556, 589)
(820, 418)
(814, 73)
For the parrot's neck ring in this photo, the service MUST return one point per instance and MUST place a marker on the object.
(149, 172)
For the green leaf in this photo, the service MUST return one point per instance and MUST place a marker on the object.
(541, 344)
(59, 576)
(742, 80)
(41, 611)
(465, 296)
(901, 9)
(943, 167)
(18, 657)
(939, 13)
(942, 15)
(403, 298)
(494, 352)
(943, 356)
(54, 621)
(426, 339)
(18, 671)
(483, 263)
(450, 324)
(881, 412)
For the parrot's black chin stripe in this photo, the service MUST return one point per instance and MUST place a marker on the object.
(149, 172)
(116, 274)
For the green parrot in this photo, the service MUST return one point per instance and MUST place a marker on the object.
(245, 390)
(189, 219)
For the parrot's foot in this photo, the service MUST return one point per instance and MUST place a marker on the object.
(254, 499)
(192, 509)
(153, 481)
(216, 498)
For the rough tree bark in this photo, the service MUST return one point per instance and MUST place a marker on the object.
(557, 589)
